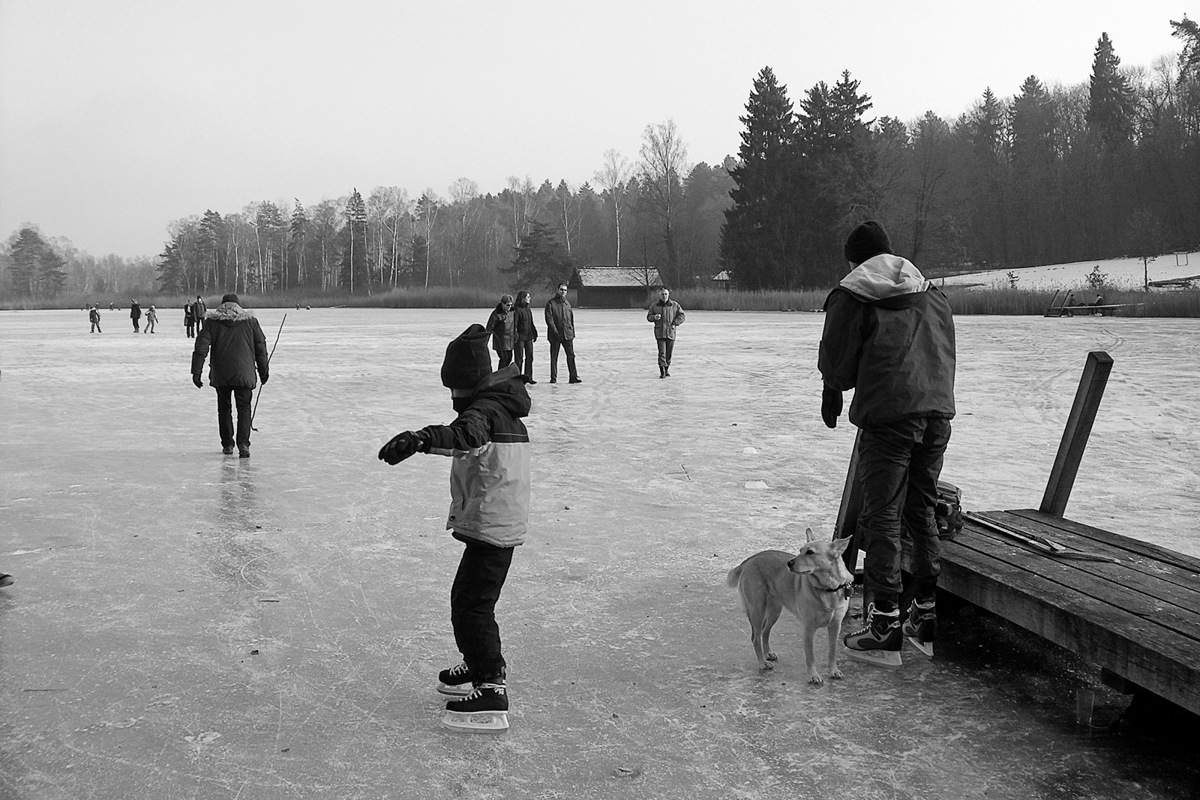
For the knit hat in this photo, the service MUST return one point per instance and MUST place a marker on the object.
(231, 298)
(867, 240)
(467, 359)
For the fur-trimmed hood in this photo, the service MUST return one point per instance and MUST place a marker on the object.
(229, 312)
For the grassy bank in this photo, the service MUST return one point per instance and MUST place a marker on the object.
(1011, 302)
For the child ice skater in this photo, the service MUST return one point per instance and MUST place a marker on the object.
(489, 514)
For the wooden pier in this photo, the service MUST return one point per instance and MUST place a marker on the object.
(1129, 607)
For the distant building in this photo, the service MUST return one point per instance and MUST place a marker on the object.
(614, 287)
(722, 280)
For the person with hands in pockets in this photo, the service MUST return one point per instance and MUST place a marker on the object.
(489, 514)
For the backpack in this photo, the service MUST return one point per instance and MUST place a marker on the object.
(948, 512)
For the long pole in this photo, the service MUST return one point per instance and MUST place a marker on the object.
(254, 410)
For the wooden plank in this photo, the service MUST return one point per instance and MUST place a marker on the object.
(1137, 649)
(1159, 579)
(1075, 436)
(1081, 578)
(1180, 561)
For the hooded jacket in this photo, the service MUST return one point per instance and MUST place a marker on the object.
(239, 348)
(489, 477)
(889, 335)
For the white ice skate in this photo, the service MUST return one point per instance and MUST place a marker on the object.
(484, 710)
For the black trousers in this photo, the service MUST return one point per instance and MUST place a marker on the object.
(569, 347)
(524, 357)
(503, 358)
(473, 597)
(242, 397)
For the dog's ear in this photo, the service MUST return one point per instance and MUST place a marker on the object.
(809, 536)
(839, 545)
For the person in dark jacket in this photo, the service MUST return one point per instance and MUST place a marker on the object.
(526, 335)
(135, 314)
(560, 331)
(239, 353)
(199, 311)
(489, 514)
(500, 325)
(889, 336)
(94, 318)
(189, 321)
(666, 315)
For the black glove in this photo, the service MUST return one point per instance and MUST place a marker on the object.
(831, 405)
(403, 446)
(265, 377)
(196, 380)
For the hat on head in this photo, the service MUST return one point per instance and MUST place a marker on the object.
(467, 359)
(231, 298)
(867, 240)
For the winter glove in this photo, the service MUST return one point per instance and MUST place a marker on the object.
(403, 446)
(196, 380)
(831, 405)
(265, 377)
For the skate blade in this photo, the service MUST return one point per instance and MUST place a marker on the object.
(462, 690)
(888, 659)
(924, 647)
(476, 722)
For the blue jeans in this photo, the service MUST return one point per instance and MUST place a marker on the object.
(473, 597)
(898, 469)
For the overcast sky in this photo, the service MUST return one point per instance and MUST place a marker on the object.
(119, 116)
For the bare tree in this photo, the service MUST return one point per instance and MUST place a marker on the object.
(613, 177)
(663, 165)
(463, 195)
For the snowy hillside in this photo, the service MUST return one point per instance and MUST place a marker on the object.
(1121, 273)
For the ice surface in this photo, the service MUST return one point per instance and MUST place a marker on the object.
(186, 624)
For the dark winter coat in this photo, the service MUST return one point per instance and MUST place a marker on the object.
(94, 316)
(889, 335)
(526, 330)
(188, 317)
(671, 317)
(135, 311)
(501, 325)
(490, 476)
(199, 310)
(560, 320)
(239, 348)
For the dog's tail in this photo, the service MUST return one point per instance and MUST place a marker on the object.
(735, 575)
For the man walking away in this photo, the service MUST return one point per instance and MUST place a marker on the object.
(889, 335)
(239, 350)
(666, 315)
(560, 330)
(135, 314)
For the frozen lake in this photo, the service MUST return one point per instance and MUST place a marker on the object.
(149, 566)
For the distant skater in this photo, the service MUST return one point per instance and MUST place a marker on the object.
(560, 331)
(94, 318)
(526, 335)
(151, 318)
(666, 315)
(189, 321)
(239, 350)
(500, 326)
(135, 314)
(199, 310)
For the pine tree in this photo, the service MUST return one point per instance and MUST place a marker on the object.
(1111, 110)
(297, 241)
(354, 264)
(758, 237)
(539, 259)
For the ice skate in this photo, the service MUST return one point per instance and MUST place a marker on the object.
(878, 643)
(455, 682)
(484, 710)
(921, 626)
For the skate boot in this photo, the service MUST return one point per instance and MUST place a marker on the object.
(484, 710)
(921, 626)
(879, 642)
(455, 682)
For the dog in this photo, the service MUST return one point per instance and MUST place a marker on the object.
(814, 585)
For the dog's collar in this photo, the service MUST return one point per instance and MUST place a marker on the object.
(846, 587)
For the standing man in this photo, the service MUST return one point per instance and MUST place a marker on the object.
(889, 335)
(560, 330)
(199, 310)
(94, 318)
(239, 349)
(666, 316)
(135, 314)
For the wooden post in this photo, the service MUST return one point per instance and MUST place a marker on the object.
(1075, 436)
(847, 518)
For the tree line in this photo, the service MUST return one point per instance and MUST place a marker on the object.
(1052, 174)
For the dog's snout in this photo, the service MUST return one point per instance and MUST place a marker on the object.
(791, 564)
